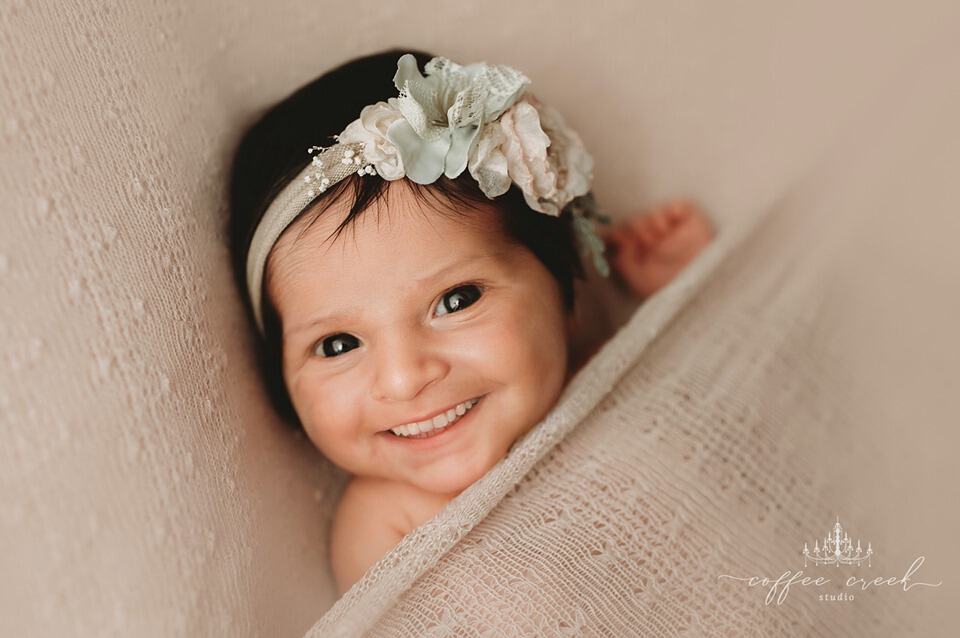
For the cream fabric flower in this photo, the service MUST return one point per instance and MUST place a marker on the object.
(371, 129)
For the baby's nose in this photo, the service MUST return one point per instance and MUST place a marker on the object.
(405, 366)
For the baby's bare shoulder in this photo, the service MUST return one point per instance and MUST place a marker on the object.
(417, 506)
(367, 524)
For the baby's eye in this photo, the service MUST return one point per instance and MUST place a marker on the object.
(337, 344)
(453, 301)
(458, 299)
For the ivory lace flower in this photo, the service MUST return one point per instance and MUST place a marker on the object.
(444, 112)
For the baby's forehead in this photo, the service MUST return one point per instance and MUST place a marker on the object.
(395, 244)
(400, 223)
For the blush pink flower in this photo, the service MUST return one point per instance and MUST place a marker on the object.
(544, 157)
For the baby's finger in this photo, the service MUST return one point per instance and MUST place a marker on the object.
(615, 235)
(631, 249)
(661, 222)
(679, 210)
(644, 231)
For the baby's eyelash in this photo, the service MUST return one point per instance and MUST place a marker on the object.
(478, 283)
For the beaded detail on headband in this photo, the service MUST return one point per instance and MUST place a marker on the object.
(351, 158)
(476, 117)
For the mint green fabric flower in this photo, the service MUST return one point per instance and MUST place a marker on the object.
(444, 112)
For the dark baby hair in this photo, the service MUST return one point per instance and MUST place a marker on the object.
(273, 151)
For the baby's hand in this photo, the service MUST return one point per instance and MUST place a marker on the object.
(650, 249)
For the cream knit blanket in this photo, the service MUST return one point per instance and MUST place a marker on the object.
(689, 447)
(803, 368)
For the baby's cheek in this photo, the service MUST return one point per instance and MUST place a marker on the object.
(328, 412)
(532, 347)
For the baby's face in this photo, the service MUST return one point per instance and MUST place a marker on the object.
(393, 323)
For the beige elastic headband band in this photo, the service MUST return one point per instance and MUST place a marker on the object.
(332, 165)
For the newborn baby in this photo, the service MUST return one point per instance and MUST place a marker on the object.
(413, 283)
(421, 346)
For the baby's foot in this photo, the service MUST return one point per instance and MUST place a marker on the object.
(649, 250)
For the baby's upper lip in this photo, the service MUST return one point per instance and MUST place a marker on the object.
(428, 416)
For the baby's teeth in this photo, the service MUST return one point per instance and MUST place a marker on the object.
(439, 421)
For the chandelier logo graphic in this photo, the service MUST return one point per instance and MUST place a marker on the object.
(837, 549)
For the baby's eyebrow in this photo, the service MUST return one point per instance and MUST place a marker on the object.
(419, 281)
(437, 274)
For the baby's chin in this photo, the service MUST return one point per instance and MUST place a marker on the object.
(450, 479)
(451, 475)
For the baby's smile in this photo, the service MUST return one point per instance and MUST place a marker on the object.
(435, 440)
(430, 426)
(420, 344)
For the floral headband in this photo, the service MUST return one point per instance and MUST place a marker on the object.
(475, 117)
